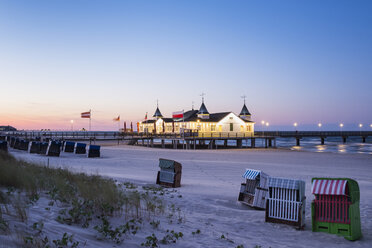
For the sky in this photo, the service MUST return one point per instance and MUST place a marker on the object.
(295, 61)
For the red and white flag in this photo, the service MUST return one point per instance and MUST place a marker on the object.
(146, 117)
(177, 115)
(85, 115)
(117, 118)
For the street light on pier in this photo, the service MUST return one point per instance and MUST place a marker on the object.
(341, 126)
(72, 125)
(360, 128)
(263, 128)
(295, 126)
(320, 125)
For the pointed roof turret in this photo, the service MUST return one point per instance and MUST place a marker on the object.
(244, 114)
(203, 110)
(157, 112)
(244, 111)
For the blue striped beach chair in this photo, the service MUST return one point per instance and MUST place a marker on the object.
(286, 202)
(254, 190)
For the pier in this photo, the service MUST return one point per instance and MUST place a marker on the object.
(322, 135)
(215, 140)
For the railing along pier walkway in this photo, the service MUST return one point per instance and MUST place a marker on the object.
(193, 140)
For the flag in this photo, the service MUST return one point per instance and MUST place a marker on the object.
(146, 117)
(85, 115)
(177, 115)
(116, 119)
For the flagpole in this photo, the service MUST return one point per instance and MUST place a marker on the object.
(90, 119)
(183, 128)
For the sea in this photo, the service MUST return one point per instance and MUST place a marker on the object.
(332, 144)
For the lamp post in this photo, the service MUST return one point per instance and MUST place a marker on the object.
(320, 125)
(72, 125)
(295, 126)
(360, 128)
(263, 128)
(341, 126)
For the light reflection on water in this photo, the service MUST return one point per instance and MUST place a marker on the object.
(333, 144)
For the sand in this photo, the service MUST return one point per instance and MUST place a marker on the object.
(210, 185)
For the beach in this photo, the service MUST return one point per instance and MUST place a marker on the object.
(210, 185)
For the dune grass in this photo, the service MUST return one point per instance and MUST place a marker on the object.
(60, 184)
(84, 198)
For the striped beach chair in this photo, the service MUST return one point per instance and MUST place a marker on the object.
(69, 146)
(4, 145)
(335, 208)
(94, 151)
(286, 202)
(254, 190)
(80, 148)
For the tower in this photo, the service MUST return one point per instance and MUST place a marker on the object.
(244, 113)
(157, 114)
(203, 112)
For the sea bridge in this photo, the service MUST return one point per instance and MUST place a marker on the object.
(191, 140)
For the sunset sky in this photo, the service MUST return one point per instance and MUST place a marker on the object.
(296, 61)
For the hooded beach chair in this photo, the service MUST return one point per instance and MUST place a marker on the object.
(169, 174)
(54, 148)
(254, 191)
(335, 208)
(286, 202)
(94, 151)
(69, 146)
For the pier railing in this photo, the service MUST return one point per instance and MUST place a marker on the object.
(313, 133)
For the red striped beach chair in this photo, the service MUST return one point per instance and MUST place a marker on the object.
(335, 208)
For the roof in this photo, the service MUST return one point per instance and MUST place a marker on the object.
(286, 183)
(166, 163)
(244, 111)
(251, 174)
(329, 187)
(148, 121)
(203, 109)
(192, 115)
(167, 119)
(157, 113)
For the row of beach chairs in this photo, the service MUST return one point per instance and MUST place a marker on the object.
(51, 147)
(335, 208)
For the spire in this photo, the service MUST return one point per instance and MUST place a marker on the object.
(203, 112)
(157, 114)
(244, 113)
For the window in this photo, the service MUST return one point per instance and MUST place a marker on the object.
(231, 127)
(213, 128)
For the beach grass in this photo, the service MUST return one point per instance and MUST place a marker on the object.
(61, 184)
(82, 198)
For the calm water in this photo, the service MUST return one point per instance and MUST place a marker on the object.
(332, 144)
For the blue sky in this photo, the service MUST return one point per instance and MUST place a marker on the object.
(296, 61)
